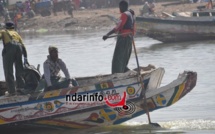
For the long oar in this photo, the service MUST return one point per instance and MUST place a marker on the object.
(142, 85)
(141, 80)
(119, 35)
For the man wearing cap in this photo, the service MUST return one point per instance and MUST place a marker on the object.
(12, 53)
(52, 67)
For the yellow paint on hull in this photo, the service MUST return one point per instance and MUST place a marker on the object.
(2, 121)
(180, 90)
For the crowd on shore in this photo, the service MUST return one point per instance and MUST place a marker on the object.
(31, 8)
(31, 16)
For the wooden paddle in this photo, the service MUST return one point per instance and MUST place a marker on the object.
(142, 85)
(118, 35)
(141, 80)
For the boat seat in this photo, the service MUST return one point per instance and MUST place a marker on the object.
(145, 69)
(165, 14)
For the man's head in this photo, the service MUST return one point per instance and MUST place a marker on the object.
(53, 52)
(9, 25)
(123, 6)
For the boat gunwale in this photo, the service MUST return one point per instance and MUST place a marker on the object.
(62, 96)
(176, 20)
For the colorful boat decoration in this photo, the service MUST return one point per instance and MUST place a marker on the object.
(97, 101)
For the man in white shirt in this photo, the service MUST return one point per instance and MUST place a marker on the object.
(148, 8)
(52, 67)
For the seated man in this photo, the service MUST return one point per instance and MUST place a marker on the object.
(151, 6)
(148, 8)
(52, 67)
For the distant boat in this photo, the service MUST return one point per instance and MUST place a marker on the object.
(196, 13)
(177, 28)
(54, 109)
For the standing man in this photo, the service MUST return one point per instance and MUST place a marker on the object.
(12, 53)
(55, 2)
(1, 8)
(125, 30)
(70, 8)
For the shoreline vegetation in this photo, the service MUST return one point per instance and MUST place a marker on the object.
(92, 18)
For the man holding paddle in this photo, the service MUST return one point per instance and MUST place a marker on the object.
(125, 29)
(122, 53)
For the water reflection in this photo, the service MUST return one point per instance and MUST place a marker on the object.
(172, 127)
(174, 46)
(117, 129)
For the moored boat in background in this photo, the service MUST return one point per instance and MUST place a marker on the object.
(176, 28)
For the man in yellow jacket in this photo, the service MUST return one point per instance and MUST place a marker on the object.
(12, 53)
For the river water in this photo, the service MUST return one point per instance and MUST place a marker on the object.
(86, 54)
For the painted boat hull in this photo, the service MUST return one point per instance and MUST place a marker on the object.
(177, 29)
(52, 110)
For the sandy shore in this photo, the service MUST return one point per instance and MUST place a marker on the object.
(91, 18)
